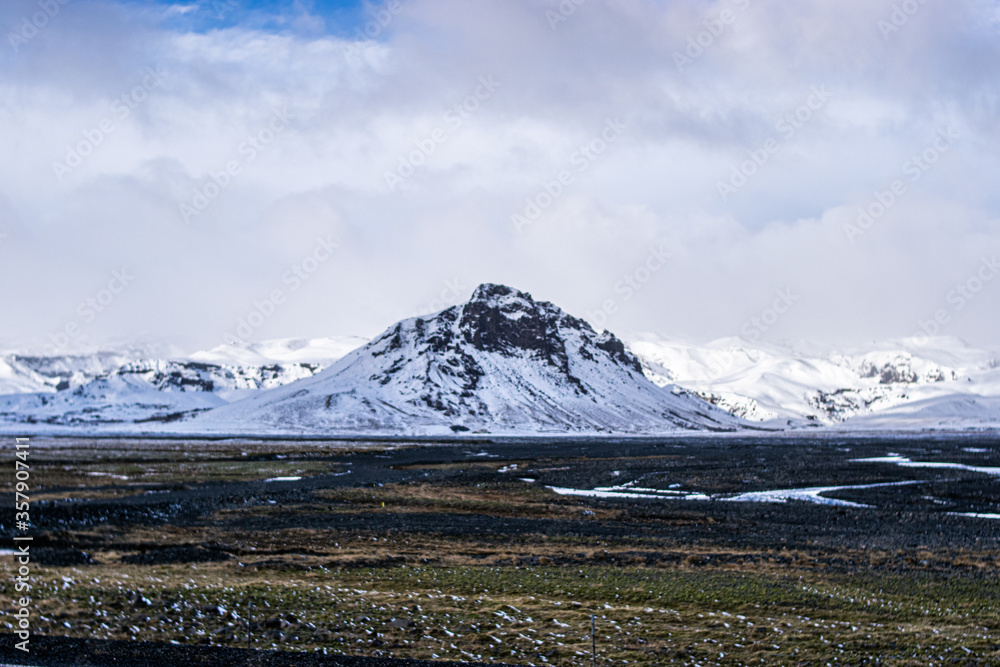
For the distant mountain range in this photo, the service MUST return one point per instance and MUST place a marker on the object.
(501, 363)
(939, 383)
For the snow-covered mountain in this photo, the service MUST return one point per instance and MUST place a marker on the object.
(16, 379)
(118, 399)
(500, 363)
(846, 388)
(21, 373)
(936, 383)
(78, 391)
(273, 362)
(946, 412)
(320, 352)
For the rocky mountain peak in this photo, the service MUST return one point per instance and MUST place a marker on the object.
(501, 319)
(504, 320)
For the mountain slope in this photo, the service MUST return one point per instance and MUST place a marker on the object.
(118, 399)
(143, 391)
(776, 384)
(500, 363)
(969, 411)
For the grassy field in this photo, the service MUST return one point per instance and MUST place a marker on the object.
(260, 572)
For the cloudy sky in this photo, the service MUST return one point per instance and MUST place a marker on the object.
(323, 168)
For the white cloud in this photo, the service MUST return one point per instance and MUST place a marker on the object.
(355, 117)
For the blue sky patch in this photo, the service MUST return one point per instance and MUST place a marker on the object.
(336, 17)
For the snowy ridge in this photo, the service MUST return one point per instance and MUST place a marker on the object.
(20, 373)
(116, 399)
(946, 383)
(284, 360)
(140, 391)
(938, 413)
(17, 379)
(319, 351)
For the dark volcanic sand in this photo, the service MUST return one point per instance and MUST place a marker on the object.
(646, 531)
(69, 652)
(902, 517)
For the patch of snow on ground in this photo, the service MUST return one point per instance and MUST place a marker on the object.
(812, 495)
(904, 462)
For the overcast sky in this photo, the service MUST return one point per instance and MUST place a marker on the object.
(671, 167)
